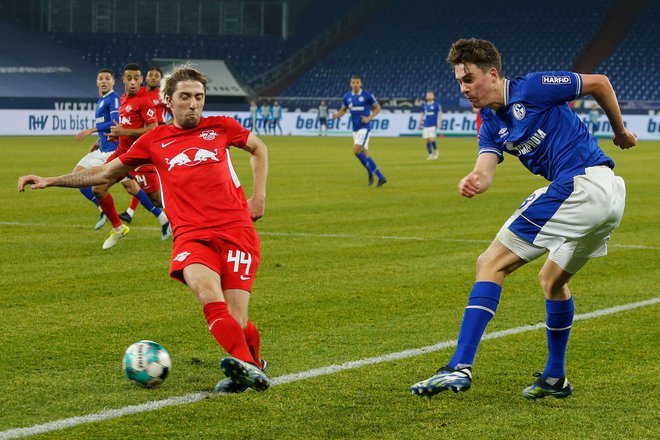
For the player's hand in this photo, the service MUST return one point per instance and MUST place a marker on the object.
(37, 182)
(116, 130)
(95, 146)
(257, 208)
(470, 185)
(82, 135)
(110, 137)
(365, 119)
(625, 140)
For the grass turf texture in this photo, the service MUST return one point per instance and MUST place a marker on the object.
(347, 272)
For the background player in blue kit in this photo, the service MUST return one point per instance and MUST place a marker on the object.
(107, 114)
(363, 107)
(430, 122)
(572, 218)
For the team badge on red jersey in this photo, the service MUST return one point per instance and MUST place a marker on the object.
(208, 135)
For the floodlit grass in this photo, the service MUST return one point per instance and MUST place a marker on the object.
(347, 272)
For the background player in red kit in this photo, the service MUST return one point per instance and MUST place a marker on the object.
(146, 175)
(136, 117)
(216, 249)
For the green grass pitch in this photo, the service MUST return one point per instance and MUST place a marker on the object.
(348, 272)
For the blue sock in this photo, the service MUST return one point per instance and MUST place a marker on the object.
(429, 147)
(558, 328)
(147, 203)
(373, 168)
(89, 195)
(481, 308)
(434, 145)
(363, 159)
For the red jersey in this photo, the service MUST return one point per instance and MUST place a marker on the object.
(162, 111)
(200, 188)
(135, 111)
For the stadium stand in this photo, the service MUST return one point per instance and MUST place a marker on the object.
(635, 64)
(398, 60)
(33, 67)
(399, 50)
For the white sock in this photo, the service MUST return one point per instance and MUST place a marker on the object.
(162, 218)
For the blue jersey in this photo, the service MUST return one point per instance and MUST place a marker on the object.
(537, 125)
(431, 112)
(107, 113)
(359, 105)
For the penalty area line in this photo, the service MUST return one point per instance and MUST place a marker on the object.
(289, 378)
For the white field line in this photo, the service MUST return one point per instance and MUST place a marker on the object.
(289, 378)
(315, 235)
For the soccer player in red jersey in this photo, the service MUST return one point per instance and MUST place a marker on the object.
(136, 117)
(216, 249)
(146, 175)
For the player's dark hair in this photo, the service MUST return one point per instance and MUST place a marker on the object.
(132, 66)
(481, 53)
(184, 72)
(157, 69)
(105, 70)
(356, 77)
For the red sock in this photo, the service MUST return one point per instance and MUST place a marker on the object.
(134, 203)
(227, 331)
(253, 341)
(108, 206)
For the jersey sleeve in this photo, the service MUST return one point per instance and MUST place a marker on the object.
(148, 112)
(138, 154)
(113, 111)
(487, 144)
(371, 99)
(345, 101)
(237, 134)
(553, 88)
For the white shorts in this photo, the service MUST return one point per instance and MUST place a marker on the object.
(572, 220)
(429, 132)
(94, 159)
(361, 137)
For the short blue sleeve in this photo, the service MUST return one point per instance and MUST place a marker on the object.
(552, 88)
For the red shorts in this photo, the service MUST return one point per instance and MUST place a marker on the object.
(232, 253)
(147, 178)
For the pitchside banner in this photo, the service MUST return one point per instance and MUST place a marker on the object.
(70, 122)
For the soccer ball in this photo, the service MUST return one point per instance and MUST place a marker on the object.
(146, 363)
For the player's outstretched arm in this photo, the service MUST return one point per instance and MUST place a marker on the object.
(84, 133)
(259, 164)
(601, 89)
(481, 177)
(107, 173)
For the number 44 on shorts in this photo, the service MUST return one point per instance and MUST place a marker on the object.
(239, 258)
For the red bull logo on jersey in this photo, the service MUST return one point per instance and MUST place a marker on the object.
(191, 157)
(208, 135)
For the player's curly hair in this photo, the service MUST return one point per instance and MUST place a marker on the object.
(184, 72)
(481, 53)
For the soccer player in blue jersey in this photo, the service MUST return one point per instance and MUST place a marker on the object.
(430, 122)
(107, 114)
(363, 107)
(572, 219)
